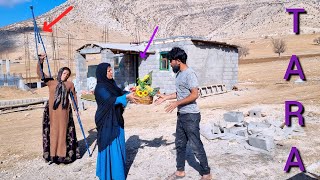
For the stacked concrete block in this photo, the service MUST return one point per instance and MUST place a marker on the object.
(218, 63)
(206, 131)
(255, 113)
(275, 132)
(81, 71)
(8, 66)
(107, 56)
(274, 122)
(161, 78)
(262, 142)
(240, 131)
(231, 69)
(233, 117)
(215, 68)
(125, 74)
(216, 130)
(257, 127)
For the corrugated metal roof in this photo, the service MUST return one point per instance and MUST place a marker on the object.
(189, 38)
(117, 46)
(141, 47)
(215, 42)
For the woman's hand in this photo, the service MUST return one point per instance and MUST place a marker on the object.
(132, 98)
(41, 58)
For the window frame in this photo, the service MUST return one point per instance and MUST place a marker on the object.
(160, 61)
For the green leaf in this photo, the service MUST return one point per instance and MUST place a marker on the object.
(155, 91)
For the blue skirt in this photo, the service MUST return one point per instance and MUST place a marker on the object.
(111, 162)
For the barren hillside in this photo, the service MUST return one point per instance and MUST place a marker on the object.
(128, 21)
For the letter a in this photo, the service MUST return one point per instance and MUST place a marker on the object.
(290, 70)
(294, 153)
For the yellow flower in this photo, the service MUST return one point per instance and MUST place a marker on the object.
(139, 93)
(144, 93)
(145, 78)
(149, 89)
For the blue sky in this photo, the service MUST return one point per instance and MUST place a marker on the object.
(12, 11)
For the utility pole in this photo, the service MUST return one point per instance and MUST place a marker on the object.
(54, 58)
(108, 32)
(27, 58)
(69, 51)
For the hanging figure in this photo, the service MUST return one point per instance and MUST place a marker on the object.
(60, 143)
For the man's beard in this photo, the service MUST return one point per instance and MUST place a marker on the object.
(176, 68)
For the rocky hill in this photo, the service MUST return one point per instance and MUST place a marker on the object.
(128, 21)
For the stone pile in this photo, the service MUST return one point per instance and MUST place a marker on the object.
(257, 134)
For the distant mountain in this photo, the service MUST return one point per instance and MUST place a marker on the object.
(128, 21)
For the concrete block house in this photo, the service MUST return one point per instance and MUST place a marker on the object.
(214, 62)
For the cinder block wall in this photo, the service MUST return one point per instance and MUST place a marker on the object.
(214, 64)
(160, 78)
(125, 71)
(165, 79)
(81, 73)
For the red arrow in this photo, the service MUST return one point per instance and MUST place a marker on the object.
(48, 27)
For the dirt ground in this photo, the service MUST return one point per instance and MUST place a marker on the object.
(150, 133)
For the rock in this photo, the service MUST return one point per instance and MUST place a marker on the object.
(243, 132)
(77, 169)
(314, 169)
(261, 142)
(239, 125)
(294, 130)
(256, 113)
(276, 132)
(275, 123)
(173, 151)
(217, 136)
(216, 130)
(233, 117)
(299, 81)
(223, 125)
(257, 127)
(227, 136)
(206, 131)
(311, 114)
(230, 124)
(240, 131)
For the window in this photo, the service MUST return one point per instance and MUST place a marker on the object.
(164, 62)
(116, 61)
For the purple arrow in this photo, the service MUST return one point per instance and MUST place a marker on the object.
(143, 54)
